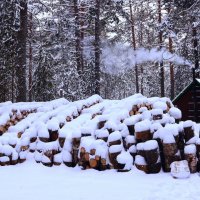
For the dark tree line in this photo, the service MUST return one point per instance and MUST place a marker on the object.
(53, 46)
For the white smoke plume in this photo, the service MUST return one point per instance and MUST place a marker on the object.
(119, 57)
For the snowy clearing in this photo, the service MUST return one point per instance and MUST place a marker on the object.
(34, 181)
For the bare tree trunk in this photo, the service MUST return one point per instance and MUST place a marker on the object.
(13, 82)
(162, 75)
(195, 44)
(141, 69)
(171, 64)
(171, 70)
(77, 37)
(97, 47)
(134, 46)
(30, 59)
(21, 62)
(82, 11)
(196, 60)
(142, 80)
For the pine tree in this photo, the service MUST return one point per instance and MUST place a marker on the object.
(8, 27)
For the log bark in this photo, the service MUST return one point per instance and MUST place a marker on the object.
(143, 136)
(151, 156)
(101, 124)
(188, 133)
(169, 149)
(154, 168)
(93, 163)
(33, 139)
(131, 129)
(143, 168)
(113, 159)
(192, 162)
(43, 139)
(53, 135)
(61, 141)
(117, 142)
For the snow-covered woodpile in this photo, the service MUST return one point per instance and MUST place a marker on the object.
(100, 134)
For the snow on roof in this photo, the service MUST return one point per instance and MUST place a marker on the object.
(198, 80)
(185, 89)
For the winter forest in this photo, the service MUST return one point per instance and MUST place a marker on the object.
(115, 48)
(100, 99)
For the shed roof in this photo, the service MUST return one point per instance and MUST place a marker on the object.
(197, 81)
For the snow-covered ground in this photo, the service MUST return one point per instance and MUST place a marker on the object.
(32, 181)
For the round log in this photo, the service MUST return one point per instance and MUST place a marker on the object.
(113, 159)
(68, 164)
(33, 139)
(101, 124)
(154, 168)
(142, 167)
(168, 161)
(93, 163)
(188, 133)
(53, 135)
(43, 139)
(14, 162)
(131, 129)
(143, 136)
(117, 142)
(151, 156)
(76, 142)
(192, 162)
(61, 141)
(22, 160)
(49, 164)
(169, 149)
(57, 163)
(151, 152)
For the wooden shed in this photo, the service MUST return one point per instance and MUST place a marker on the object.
(185, 101)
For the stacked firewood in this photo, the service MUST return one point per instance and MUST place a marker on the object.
(8, 155)
(115, 148)
(190, 156)
(148, 157)
(198, 154)
(92, 154)
(47, 142)
(177, 144)
(96, 134)
(18, 136)
(149, 136)
(52, 144)
(13, 152)
(14, 117)
(170, 152)
(41, 137)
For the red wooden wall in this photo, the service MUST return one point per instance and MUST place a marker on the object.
(186, 103)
